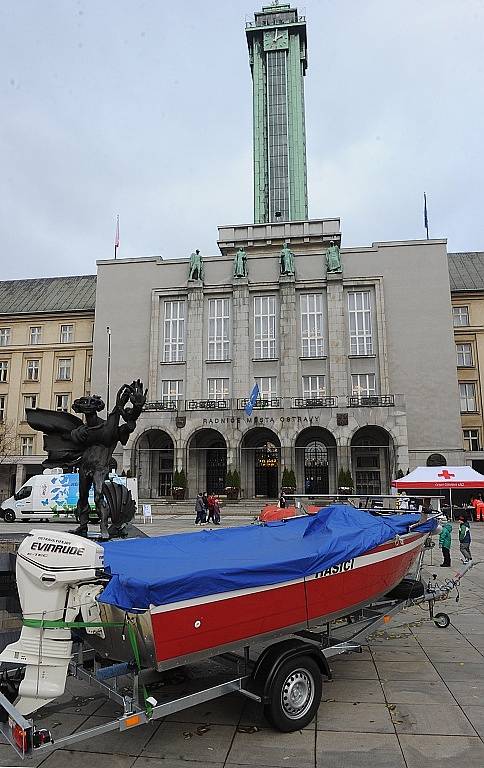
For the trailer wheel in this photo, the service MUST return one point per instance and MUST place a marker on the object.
(295, 694)
(441, 620)
(9, 516)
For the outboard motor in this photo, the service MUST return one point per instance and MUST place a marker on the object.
(56, 580)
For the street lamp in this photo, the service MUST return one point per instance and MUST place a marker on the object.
(108, 383)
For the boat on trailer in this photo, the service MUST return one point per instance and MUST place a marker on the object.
(266, 595)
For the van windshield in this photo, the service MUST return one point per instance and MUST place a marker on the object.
(24, 492)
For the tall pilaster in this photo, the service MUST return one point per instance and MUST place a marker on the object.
(241, 339)
(337, 337)
(195, 346)
(288, 335)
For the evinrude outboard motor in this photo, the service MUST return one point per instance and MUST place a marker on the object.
(57, 579)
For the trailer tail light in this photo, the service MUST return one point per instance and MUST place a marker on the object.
(20, 737)
(42, 736)
(132, 721)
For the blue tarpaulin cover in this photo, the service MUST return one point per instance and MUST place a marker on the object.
(166, 569)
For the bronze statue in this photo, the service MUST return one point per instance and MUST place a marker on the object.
(196, 266)
(333, 258)
(70, 442)
(240, 263)
(287, 261)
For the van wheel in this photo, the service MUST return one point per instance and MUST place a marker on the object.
(295, 694)
(9, 516)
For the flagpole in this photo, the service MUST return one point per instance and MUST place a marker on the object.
(426, 217)
(116, 237)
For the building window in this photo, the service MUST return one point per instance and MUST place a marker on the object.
(267, 387)
(35, 334)
(171, 391)
(3, 370)
(312, 325)
(464, 355)
(3, 406)
(467, 392)
(5, 336)
(219, 329)
(32, 370)
(277, 135)
(313, 386)
(88, 367)
(27, 446)
(66, 334)
(62, 403)
(30, 401)
(264, 327)
(64, 368)
(359, 310)
(218, 389)
(471, 440)
(436, 460)
(174, 340)
(460, 316)
(363, 384)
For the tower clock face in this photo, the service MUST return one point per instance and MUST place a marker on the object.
(276, 40)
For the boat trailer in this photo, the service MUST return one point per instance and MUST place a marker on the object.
(285, 677)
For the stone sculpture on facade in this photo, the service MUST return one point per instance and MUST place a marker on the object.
(196, 266)
(287, 261)
(240, 263)
(70, 442)
(333, 258)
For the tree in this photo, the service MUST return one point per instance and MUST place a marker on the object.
(7, 440)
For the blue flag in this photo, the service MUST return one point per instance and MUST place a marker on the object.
(252, 400)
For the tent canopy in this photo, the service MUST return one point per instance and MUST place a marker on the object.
(441, 477)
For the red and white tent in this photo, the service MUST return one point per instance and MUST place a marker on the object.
(441, 477)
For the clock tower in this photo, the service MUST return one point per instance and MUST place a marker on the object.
(278, 60)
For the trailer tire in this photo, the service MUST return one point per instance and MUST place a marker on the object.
(442, 620)
(295, 694)
(9, 516)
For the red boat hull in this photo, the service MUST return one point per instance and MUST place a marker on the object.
(216, 621)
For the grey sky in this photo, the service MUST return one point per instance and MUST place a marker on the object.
(143, 108)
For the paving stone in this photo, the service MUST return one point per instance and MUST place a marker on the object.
(345, 716)
(454, 654)
(431, 719)
(358, 750)
(353, 690)
(223, 711)
(406, 670)
(442, 751)
(179, 741)
(294, 750)
(412, 653)
(405, 641)
(63, 758)
(417, 692)
(353, 669)
(156, 762)
(463, 670)
(476, 716)
(467, 693)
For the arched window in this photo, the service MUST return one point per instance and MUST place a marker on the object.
(436, 460)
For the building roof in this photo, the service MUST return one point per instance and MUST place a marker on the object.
(466, 271)
(48, 294)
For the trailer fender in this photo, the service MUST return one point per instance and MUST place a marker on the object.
(277, 654)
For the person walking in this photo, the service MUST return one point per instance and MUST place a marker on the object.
(211, 508)
(216, 511)
(465, 540)
(445, 540)
(199, 509)
(282, 501)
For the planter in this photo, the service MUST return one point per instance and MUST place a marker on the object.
(178, 493)
(232, 493)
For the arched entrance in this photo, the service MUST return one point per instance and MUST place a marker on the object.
(207, 462)
(372, 459)
(153, 460)
(260, 462)
(316, 461)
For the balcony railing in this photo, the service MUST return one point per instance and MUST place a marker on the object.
(207, 405)
(315, 402)
(274, 402)
(370, 401)
(228, 403)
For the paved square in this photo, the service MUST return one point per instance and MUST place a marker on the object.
(413, 699)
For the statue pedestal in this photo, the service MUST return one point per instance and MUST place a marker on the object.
(334, 276)
(238, 281)
(287, 278)
(195, 284)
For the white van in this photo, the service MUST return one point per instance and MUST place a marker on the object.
(50, 496)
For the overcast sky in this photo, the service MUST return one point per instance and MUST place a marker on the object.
(143, 108)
